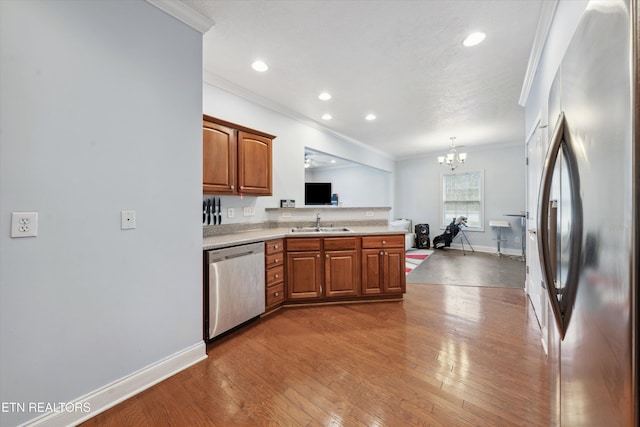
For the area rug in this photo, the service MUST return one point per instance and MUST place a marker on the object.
(414, 257)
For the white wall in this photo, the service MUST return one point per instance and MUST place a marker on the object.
(356, 185)
(292, 136)
(417, 192)
(565, 21)
(100, 112)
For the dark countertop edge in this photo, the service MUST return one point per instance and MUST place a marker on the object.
(253, 236)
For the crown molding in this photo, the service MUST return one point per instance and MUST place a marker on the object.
(547, 12)
(184, 13)
(432, 154)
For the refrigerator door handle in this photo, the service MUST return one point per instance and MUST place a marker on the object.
(561, 297)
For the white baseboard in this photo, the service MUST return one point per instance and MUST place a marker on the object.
(120, 390)
(488, 249)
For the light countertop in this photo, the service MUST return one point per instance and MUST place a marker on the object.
(264, 234)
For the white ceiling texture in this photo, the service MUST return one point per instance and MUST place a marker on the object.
(402, 60)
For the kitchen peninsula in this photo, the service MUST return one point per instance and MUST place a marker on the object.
(347, 258)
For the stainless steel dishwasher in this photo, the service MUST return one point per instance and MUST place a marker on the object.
(234, 287)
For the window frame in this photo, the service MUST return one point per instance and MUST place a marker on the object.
(447, 221)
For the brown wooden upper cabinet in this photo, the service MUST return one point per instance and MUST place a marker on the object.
(236, 159)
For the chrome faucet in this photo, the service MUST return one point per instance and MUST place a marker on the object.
(318, 221)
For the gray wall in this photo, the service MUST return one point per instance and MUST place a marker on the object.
(418, 192)
(356, 185)
(100, 112)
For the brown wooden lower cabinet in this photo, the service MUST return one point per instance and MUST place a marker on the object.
(383, 265)
(393, 268)
(341, 274)
(335, 268)
(383, 271)
(304, 268)
(372, 271)
(274, 274)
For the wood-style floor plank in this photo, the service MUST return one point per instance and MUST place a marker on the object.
(445, 356)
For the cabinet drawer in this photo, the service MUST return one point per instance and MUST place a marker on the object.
(275, 275)
(303, 244)
(339, 243)
(273, 246)
(386, 241)
(274, 260)
(275, 294)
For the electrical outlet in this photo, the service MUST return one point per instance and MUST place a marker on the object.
(286, 214)
(248, 211)
(24, 224)
(230, 213)
(127, 220)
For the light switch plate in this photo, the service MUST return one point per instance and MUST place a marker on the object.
(24, 224)
(127, 220)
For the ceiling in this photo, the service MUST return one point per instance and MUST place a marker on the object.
(402, 60)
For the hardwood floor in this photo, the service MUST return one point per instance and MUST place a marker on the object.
(444, 356)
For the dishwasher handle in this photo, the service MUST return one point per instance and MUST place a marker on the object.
(218, 255)
(240, 254)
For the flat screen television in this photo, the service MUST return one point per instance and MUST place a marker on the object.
(317, 193)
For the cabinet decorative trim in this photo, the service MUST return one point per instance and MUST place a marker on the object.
(237, 126)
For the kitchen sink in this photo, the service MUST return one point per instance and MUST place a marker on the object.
(320, 230)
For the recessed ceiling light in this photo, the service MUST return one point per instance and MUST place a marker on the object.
(326, 117)
(324, 96)
(259, 66)
(370, 117)
(474, 39)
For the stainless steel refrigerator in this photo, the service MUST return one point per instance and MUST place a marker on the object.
(588, 221)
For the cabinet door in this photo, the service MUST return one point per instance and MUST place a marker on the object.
(394, 271)
(254, 164)
(304, 275)
(219, 158)
(372, 271)
(341, 272)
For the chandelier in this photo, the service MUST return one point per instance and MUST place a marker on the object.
(453, 159)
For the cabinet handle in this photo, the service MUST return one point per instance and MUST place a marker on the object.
(276, 261)
(276, 276)
(276, 294)
(275, 247)
(232, 187)
(381, 253)
(384, 242)
(242, 187)
(318, 256)
(327, 255)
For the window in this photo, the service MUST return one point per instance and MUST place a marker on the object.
(462, 194)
